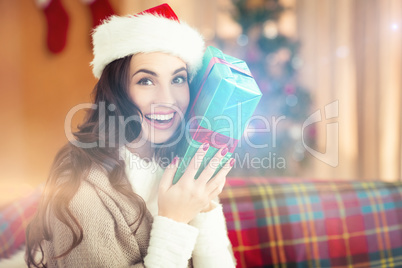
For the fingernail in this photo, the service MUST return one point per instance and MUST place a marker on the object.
(232, 161)
(224, 151)
(174, 161)
(205, 146)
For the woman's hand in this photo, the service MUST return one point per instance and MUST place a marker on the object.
(184, 200)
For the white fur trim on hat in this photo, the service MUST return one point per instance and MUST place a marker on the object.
(118, 37)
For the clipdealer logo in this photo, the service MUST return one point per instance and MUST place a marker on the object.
(331, 154)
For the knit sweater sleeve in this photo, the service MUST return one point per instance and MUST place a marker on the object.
(171, 243)
(213, 247)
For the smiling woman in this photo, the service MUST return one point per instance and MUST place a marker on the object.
(114, 204)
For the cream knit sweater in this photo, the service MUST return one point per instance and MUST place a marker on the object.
(105, 217)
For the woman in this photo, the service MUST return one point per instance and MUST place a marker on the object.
(108, 201)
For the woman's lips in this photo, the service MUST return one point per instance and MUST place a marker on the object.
(160, 124)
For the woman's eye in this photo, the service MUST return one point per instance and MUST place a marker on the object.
(179, 80)
(145, 82)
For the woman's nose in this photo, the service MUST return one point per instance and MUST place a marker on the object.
(165, 94)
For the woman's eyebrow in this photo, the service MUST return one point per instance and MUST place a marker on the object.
(145, 71)
(179, 70)
(155, 74)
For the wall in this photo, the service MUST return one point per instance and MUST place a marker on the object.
(37, 88)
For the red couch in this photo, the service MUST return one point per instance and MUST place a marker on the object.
(286, 222)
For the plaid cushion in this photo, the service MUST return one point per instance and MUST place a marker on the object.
(283, 222)
(14, 218)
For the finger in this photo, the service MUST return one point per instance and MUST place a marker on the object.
(216, 181)
(167, 177)
(196, 161)
(213, 164)
(215, 193)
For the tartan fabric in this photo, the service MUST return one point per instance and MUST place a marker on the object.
(284, 222)
(14, 218)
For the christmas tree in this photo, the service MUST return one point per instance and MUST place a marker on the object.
(276, 148)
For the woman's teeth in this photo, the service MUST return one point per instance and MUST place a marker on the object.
(160, 117)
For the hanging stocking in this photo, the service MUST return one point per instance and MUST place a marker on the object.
(57, 24)
(100, 10)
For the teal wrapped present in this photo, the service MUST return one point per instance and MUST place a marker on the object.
(226, 98)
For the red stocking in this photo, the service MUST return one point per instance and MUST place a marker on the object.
(100, 10)
(57, 24)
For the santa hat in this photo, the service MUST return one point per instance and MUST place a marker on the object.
(154, 30)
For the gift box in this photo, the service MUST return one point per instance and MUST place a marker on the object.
(226, 97)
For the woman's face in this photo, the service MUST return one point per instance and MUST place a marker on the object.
(158, 87)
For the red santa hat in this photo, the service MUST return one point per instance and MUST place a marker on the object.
(154, 30)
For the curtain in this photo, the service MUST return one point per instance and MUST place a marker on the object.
(352, 54)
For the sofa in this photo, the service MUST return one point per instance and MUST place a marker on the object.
(282, 222)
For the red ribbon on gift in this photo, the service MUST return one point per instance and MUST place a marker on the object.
(202, 134)
(214, 139)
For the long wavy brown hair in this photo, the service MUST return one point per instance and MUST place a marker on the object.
(73, 163)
